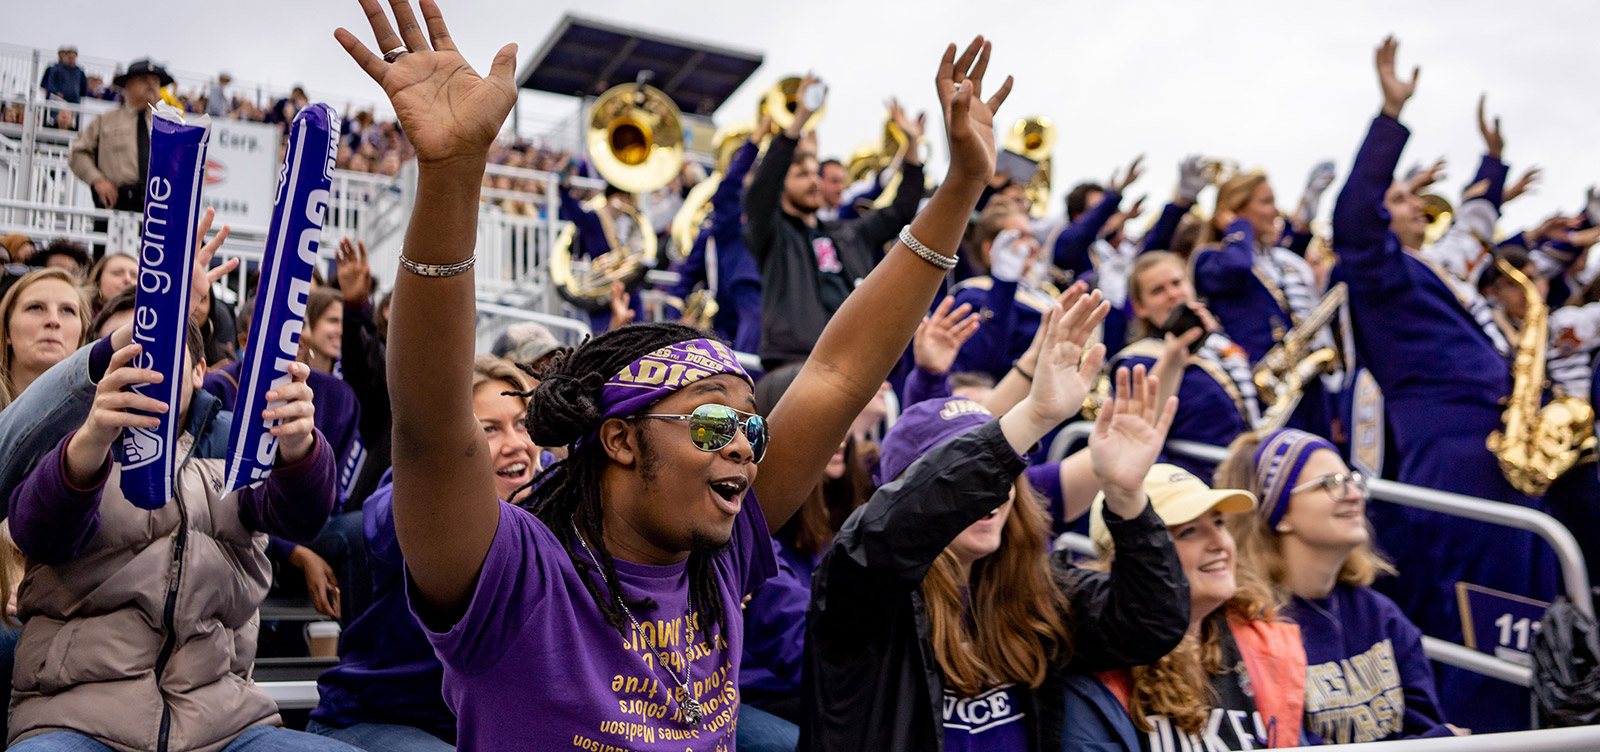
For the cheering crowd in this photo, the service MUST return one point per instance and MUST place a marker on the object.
(638, 544)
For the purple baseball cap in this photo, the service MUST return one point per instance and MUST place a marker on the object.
(922, 427)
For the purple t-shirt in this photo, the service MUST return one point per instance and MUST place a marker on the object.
(533, 665)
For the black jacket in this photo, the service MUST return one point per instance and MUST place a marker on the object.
(792, 311)
(871, 678)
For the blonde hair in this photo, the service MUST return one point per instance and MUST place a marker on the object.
(1260, 546)
(1178, 685)
(8, 306)
(487, 368)
(1231, 196)
(1146, 262)
(1018, 626)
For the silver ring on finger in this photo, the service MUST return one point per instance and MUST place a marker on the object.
(394, 54)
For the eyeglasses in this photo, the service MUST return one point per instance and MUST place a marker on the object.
(1337, 485)
(712, 427)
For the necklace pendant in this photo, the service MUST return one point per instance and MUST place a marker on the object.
(692, 712)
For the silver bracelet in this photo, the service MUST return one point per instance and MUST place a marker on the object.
(925, 253)
(437, 270)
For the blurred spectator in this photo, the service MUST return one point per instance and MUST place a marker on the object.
(63, 254)
(109, 277)
(65, 81)
(113, 152)
(18, 248)
(97, 89)
(526, 343)
(217, 102)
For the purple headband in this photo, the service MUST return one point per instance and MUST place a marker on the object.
(1279, 460)
(652, 377)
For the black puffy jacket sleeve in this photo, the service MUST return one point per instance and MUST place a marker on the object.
(1136, 613)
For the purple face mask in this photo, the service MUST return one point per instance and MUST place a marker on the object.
(647, 380)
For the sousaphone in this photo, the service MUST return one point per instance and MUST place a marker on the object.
(635, 140)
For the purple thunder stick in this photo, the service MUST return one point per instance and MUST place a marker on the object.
(293, 241)
(161, 305)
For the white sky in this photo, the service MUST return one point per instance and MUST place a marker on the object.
(1277, 85)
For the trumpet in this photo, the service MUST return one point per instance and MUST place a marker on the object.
(1035, 139)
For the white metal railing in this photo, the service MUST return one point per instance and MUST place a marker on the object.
(1580, 739)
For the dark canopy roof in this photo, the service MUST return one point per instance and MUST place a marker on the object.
(582, 57)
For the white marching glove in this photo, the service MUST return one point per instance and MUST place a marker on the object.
(1191, 178)
(1008, 257)
(1593, 206)
(1316, 185)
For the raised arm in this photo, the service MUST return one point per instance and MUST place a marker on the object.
(845, 368)
(1360, 221)
(445, 509)
(762, 208)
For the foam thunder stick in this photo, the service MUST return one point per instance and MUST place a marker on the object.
(293, 242)
(148, 457)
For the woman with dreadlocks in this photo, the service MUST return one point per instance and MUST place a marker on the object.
(603, 619)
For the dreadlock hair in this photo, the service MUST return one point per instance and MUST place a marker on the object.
(564, 408)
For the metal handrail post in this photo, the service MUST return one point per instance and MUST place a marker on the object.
(30, 134)
(1574, 572)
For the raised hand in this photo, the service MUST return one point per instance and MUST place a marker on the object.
(802, 113)
(449, 113)
(1120, 184)
(355, 275)
(968, 118)
(1395, 91)
(912, 127)
(941, 334)
(1127, 439)
(1420, 178)
(1029, 362)
(1522, 185)
(1065, 374)
(203, 276)
(1192, 178)
(1493, 142)
(621, 305)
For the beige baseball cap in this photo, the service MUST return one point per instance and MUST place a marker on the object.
(1178, 497)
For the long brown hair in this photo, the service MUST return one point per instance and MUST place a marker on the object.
(1231, 196)
(1260, 546)
(1018, 625)
(1178, 685)
(8, 306)
(833, 499)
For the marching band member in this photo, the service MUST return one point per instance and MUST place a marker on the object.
(599, 231)
(1217, 391)
(1443, 377)
(738, 279)
(1012, 296)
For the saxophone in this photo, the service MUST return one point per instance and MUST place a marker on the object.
(1281, 374)
(1538, 444)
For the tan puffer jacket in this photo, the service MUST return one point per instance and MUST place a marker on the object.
(145, 640)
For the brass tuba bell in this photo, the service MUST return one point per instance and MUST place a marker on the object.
(635, 140)
(1439, 213)
(1035, 139)
(780, 100)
